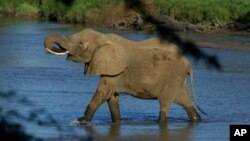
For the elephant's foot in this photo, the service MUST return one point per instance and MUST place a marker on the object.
(162, 118)
(116, 121)
(193, 115)
(84, 121)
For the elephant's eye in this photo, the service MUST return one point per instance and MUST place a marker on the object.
(84, 46)
(81, 44)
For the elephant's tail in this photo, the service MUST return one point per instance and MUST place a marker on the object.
(193, 92)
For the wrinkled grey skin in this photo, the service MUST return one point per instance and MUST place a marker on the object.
(147, 69)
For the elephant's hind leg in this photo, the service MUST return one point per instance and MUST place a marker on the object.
(166, 99)
(184, 100)
(114, 108)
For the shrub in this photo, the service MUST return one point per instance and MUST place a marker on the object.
(53, 9)
(25, 10)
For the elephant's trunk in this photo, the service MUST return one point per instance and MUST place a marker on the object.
(60, 41)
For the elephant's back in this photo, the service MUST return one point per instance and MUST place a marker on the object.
(152, 64)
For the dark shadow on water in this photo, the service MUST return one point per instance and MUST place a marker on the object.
(159, 132)
(10, 130)
(13, 120)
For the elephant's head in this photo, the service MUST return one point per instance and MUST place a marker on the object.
(94, 49)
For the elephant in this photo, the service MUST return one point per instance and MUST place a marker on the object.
(147, 69)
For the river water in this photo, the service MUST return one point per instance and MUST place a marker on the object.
(61, 88)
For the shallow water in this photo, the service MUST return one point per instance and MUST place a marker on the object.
(60, 87)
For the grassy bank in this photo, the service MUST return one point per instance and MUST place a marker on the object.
(96, 11)
(19, 8)
(75, 11)
(205, 11)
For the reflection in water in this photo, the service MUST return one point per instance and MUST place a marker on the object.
(180, 134)
(163, 132)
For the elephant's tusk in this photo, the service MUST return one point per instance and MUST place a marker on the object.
(57, 53)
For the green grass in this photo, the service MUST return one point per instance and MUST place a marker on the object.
(80, 9)
(77, 11)
(193, 11)
(204, 11)
(18, 7)
(25, 9)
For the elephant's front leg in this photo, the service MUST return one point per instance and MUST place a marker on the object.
(114, 108)
(96, 101)
(102, 94)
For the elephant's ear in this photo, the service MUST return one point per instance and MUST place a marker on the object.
(108, 60)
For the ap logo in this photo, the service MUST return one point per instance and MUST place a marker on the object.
(239, 132)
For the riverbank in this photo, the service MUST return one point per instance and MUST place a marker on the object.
(239, 42)
(196, 16)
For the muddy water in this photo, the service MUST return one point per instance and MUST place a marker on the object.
(60, 87)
